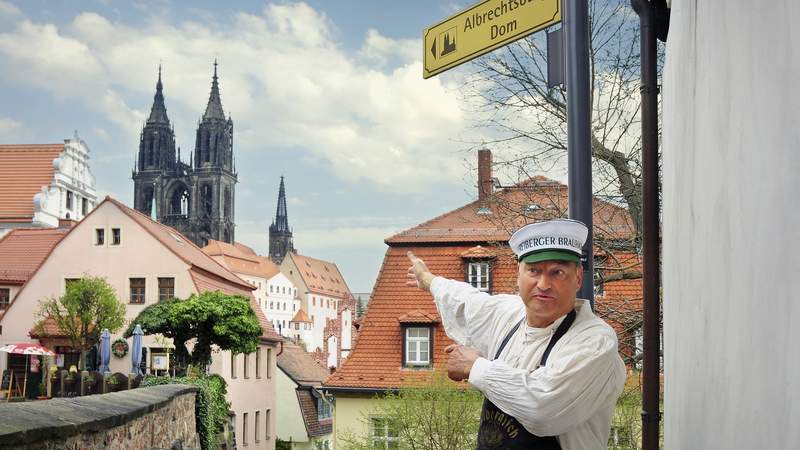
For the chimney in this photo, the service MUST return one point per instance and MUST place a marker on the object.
(66, 223)
(484, 174)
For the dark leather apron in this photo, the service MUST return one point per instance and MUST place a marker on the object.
(500, 431)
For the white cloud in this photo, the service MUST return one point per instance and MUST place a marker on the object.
(9, 9)
(101, 133)
(10, 128)
(379, 50)
(283, 77)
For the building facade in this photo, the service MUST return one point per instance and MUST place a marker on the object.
(41, 184)
(305, 417)
(145, 262)
(198, 198)
(321, 290)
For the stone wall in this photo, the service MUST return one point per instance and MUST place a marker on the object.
(145, 418)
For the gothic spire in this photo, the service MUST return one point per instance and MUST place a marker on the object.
(214, 108)
(158, 113)
(281, 216)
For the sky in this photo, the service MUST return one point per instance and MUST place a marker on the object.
(328, 94)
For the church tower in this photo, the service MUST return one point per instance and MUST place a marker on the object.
(156, 160)
(280, 236)
(214, 172)
(196, 199)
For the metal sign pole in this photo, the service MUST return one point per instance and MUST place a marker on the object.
(579, 116)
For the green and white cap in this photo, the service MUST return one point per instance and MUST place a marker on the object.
(553, 240)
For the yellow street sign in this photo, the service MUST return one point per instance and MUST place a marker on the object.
(482, 28)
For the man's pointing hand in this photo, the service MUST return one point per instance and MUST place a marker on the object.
(418, 274)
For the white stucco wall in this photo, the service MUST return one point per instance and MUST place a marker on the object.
(290, 419)
(731, 218)
(280, 304)
(252, 393)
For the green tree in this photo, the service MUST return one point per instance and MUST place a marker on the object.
(433, 414)
(211, 318)
(88, 306)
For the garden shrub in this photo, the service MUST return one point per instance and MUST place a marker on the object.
(211, 408)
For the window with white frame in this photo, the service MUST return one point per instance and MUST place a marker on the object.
(323, 409)
(478, 275)
(418, 346)
(383, 434)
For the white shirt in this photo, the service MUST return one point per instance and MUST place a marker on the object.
(572, 396)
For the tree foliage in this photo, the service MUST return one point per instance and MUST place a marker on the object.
(211, 318)
(530, 119)
(435, 414)
(211, 410)
(88, 306)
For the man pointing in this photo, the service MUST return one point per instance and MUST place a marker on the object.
(548, 367)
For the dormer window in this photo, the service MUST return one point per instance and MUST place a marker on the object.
(418, 346)
(479, 275)
(478, 265)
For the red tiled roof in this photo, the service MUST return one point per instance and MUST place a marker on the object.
(301, 316)
(321, 277)
(375, 361)
(308, 406)
(24, 169)
(444, 243)
(479, 251)
(239, 258)
(23, 250)
(418, 316)
(506, 210)
(300, 366)
(49, 329)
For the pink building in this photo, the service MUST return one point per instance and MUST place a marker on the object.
(146, 261)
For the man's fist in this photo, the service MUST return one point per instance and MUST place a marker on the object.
(418, 274)
(459, 362)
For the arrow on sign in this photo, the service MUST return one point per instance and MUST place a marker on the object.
(433, 48)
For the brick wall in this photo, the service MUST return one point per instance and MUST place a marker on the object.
(145, 418)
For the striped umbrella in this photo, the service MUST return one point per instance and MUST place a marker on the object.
(25, 349)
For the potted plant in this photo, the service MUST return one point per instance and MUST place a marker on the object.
(43, 390)
(72, 375)
(113, 383)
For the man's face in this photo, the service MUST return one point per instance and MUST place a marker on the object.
(548, 289)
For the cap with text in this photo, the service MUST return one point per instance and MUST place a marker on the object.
(553, 240)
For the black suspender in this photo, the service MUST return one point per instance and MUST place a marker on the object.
(560, 331)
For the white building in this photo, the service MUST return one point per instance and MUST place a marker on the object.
(42, 183)
(282, 303)
(321, 289)
(731, 218)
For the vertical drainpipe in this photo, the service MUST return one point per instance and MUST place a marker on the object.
(651, 413)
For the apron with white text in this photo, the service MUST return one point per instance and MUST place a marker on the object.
(500, 431)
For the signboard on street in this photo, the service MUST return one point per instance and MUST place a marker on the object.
(482, 28)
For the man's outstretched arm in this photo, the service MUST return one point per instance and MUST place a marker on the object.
(469, 316)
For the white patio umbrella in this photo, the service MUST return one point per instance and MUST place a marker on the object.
(26, 349)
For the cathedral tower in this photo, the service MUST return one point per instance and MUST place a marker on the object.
(196, 199)
(214, 171)
(156, 159)
(280, 236)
